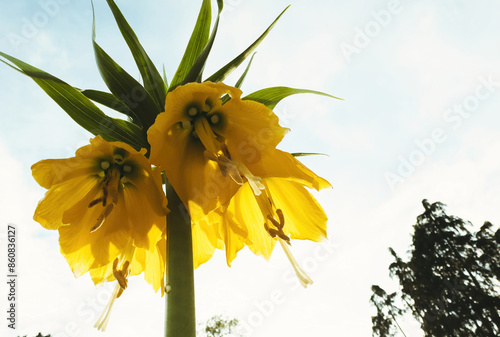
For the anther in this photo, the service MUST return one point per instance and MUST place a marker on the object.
(215, 119)
(102, 217)
(95, 202)
(279, 225)
(192, 111)
(121, 275)
(105, 164)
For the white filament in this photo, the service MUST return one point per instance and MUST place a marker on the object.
(304, 279)
(103, 320)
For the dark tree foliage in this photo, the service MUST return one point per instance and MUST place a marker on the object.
(218, 326)
(451, 282)
(387, 312)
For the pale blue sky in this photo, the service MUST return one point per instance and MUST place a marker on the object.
(420, 119)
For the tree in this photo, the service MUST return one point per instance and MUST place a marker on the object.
(218, 326)
(451, 281)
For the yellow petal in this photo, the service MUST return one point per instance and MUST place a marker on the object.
(63, 196)
(205, 241)
(244, 212)
(155, 261)
(84, 249)
(283, 165)
(250, 128)
(50, 172)
(145, 213)
(304, 217)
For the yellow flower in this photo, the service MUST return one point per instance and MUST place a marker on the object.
(219, 153)
(284, 210)
(103, 201)
(209, 142)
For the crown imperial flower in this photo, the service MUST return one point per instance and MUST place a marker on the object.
(102, 201)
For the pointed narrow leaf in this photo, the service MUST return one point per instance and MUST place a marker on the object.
(165, 77)
(242, 78)
(197, 70)
(196, 44)
(110, 101)
(222, 73)
(272, 96)
(153, 82)
(80, 108)
(125, 87)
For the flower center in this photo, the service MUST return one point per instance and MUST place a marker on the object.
(109, 196)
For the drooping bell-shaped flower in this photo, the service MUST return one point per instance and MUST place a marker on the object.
(207, 139)
(104, 202)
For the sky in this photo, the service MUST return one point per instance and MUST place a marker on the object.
(420, 82)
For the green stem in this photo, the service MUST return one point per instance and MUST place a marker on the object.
(180, 306)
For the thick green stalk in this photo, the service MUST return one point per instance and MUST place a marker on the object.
(180, 307)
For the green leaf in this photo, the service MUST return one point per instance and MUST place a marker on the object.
(196, 71)
(125, 87)
(242, 78)
(196, 44)
(272, 96)
(303, 154)
(222, 73)
(153, 82)
(110, 101)
(80, 108)
(165, 77)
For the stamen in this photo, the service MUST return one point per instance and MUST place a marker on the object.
(186, 125)
(304, 279)
(104, 194)
(103, 320)
(102, 217)
(253, 181)
(192, 111)
(206, 135)
(121, 275)
(105, 164)
(215, 119)
(95, 202)
(279, 225)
